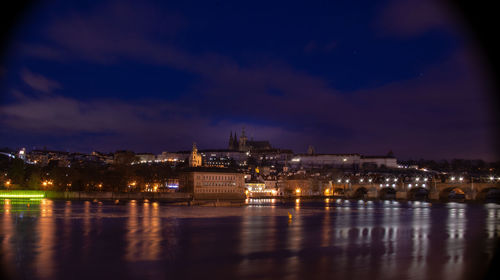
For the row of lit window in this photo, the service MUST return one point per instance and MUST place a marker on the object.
(221, 177)
(218, 184)
(216, 190)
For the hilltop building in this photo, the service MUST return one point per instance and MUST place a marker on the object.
(245, 145)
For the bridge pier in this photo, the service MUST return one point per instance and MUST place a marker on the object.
(434, 195)
(372, 194)
(401, 195)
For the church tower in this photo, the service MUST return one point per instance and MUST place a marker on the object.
(243, 141)
(194, 158)
(235, 142)
(231, 141)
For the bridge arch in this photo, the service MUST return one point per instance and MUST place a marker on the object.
(387, 193)
(338, 192)
(418, 193)
(452, 193)
(489, 194)
(360, 192)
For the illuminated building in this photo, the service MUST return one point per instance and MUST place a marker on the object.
(321, 160)
(258, 189)
(379, 161)
(212, 183)
(195, 157)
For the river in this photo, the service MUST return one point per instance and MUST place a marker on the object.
(334, 239)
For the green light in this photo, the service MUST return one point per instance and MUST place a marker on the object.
(22, 194)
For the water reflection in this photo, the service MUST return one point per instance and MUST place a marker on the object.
(44, 258)
(455, 244)
(143, 232)
(341, 238)
(7, 232)
(420, 240)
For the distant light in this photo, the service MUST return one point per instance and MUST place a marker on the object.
(453, 178)
(395, 179)
(347, 181)
(393, 185)
(409, 185)
(491, 178)
(425, 179)
(461, 178)
(345, 159)
(387, 179)
(361, 180)
(418, 179)
(338, 181)
(369, 180)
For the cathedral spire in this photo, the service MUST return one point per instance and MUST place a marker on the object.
(231, 141)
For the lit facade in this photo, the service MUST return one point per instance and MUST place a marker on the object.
(212, 183)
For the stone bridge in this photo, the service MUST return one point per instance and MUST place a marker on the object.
(430, 190)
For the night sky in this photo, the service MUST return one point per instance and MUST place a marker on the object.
(344, 76)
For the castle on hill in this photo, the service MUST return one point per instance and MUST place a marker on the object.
(245, 145)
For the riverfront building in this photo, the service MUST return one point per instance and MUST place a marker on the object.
(212, 183)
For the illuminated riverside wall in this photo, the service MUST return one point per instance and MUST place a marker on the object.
(120, 196)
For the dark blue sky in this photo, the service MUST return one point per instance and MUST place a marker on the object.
(343, 76)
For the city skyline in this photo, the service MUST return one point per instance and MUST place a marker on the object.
(153, 76)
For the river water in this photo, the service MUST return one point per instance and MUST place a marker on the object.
(338, 239)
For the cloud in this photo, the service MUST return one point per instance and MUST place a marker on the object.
(409, 18)
(441, 110)
(444, 108)
(114, 123)
(39, 82)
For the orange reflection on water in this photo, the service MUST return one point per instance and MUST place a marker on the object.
(8, 234)
(44, 258)
(143, 239)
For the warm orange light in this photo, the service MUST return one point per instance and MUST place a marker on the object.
(44, 183)
(297, 190)
(7, 183)
(100, 185)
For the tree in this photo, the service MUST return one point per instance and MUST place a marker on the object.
(16, 171)
(34, 177)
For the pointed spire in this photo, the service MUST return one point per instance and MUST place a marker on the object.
(231, 141)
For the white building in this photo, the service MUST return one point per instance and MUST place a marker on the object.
(319, 160)
(379, 161)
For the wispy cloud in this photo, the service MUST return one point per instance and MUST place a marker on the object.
(39, 82)
(407, 18)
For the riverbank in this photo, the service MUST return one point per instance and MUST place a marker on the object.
(178, 198)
